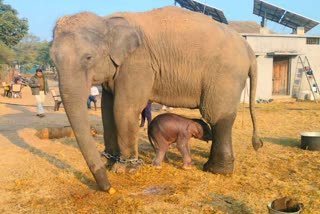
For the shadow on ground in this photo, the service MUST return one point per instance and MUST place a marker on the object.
(35, 122)
(284, 141)
(226, 204)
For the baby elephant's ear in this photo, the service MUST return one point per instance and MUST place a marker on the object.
(195, 130)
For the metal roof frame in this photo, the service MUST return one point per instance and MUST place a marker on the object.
(283, 53)
(282, 16)
(196, 6)
(294, 20)
(268, 11)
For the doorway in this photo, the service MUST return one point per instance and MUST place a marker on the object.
(280, 76)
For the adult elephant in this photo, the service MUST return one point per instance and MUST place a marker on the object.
(168, 55)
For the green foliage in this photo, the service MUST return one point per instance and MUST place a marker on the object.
(43, 57)
(31, 50)
(16, 44)
(7, 55)
(12, 29)
(26, 50)
(6, 7)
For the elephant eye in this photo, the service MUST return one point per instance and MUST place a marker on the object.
(89, 57)
(87, 60)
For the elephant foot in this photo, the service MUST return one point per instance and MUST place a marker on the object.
(127, 166)
(224, 168)
(109, 164)
(156, 164)
(111, 159)
(186, 167)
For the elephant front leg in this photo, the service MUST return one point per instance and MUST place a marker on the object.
(221, 160)
(132, 89)
(111, 151)
(127, 129)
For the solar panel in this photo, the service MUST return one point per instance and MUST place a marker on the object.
(268, 11)
(293, 21)
(283, 16)
(196, 6)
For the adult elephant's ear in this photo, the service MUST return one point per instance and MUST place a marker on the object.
(123, 39)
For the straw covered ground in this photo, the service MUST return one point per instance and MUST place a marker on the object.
(50, 176)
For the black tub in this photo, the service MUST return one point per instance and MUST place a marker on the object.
(310, 140)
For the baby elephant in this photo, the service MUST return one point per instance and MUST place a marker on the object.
(169, 128)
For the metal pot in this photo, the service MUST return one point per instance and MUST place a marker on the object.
(273, 211)
(310, 140)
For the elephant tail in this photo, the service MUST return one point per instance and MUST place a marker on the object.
(256, 141)
(150, 138)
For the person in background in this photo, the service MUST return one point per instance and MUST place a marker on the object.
(308, 70)
(17, 79)
(165, 108)
(7, 88)
(92, 97)
(146, 113)
(39, 88)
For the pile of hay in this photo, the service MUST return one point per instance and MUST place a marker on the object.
(57, 179)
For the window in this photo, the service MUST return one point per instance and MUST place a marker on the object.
(313, 41)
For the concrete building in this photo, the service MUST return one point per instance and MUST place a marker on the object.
(279, 67)
(281, 59)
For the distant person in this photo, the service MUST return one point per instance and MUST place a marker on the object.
(39, 88)
(146, 113)
(7, 88)
(308, 70)
(164, 108)
(17, 79)
(92, 96)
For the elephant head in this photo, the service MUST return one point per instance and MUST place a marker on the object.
(202, 130)
(88, 49)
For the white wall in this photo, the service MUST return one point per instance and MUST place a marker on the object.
(264, 83)
(264, 80)
(294, 46)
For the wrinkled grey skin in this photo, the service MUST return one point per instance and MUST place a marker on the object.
(168, 55)
(169, 128)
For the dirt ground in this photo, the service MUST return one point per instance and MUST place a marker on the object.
(50, 176)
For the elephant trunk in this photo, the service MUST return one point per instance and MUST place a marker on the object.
(75, 103)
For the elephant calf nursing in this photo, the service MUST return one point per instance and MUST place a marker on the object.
(169, 128)
(167, 55)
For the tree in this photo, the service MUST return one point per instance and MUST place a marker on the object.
(43, 57)
(31, 51)
(12, 29)
(6, 7)
(27, 50)
(7, 55)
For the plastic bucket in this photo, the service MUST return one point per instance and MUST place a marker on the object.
(273, 211)
(310, 140)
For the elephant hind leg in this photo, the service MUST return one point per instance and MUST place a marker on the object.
(221, 160)
(156, 162)
(160, 153)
